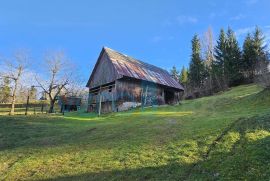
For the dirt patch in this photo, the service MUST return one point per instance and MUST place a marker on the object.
(91, 129)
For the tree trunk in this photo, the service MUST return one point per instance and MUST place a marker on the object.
(12, 110)
(51, 106)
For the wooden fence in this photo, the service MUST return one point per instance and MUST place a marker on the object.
(31, 108)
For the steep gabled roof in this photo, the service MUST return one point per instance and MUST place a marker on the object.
(131, 67)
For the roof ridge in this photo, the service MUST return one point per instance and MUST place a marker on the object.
(130, 57)
(131, 67)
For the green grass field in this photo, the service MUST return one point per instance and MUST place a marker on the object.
(222, 137)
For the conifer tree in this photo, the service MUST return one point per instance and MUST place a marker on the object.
(219, 60)
(232, 61)
(196, 68)
(254, 53)
(248, 57)
(175, 73)
(259, 47)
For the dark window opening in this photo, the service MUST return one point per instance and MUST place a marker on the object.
(169, 97)
(110, 88)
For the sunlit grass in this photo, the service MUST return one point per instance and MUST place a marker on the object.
(158, 143)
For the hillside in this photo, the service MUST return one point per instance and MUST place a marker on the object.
(221, 137)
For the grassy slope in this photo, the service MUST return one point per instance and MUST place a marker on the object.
(226, 136)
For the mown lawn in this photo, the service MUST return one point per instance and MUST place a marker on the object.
(222, 137)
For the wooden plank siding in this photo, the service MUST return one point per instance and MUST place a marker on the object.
(103, 73)
(132, 90)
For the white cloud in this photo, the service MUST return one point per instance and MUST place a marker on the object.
(238, 17)
(251, 2)
(243, 31)
(166, 23)
(212, 15)
(157, 39)
(186, 19)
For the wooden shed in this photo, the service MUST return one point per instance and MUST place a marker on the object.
(68, 104)
(119, 82)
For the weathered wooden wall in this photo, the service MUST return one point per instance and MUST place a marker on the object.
(103, 72)
(132, 90)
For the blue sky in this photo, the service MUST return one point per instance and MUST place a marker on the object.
(155, 31)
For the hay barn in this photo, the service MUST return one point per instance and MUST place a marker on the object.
(119, 82)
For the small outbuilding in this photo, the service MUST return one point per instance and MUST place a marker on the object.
(68, 104)
(119, 82)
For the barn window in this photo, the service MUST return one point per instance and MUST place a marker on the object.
(110, 88)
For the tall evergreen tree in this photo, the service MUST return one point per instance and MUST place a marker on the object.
(259, 47)
(220, 54)
(248, 57)
(196, 67)
(232, 61)
(175, 73)
(254, 52)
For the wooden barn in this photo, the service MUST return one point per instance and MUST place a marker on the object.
(119, 82)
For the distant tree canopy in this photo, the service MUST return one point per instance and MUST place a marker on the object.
(175, 73)
(225, 64)
(5, 90)
(184, 75)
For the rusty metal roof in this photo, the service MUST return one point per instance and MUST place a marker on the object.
(131, 67)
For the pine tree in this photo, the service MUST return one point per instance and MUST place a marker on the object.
(248, 57)
(175, 73)
(254, 53)
(220, 54)
(196, 68)
(232, 61)
(184, 75)
(259, 48)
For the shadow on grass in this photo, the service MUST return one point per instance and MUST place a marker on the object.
(166, 172)
(97, 132)
(244, 158)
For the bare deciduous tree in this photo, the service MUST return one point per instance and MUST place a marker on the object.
(263, 74)
(59, 72)
(208, 47)
(208, 52)
(13, 70)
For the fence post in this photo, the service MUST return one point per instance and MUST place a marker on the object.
(42, 107)
(27, 103)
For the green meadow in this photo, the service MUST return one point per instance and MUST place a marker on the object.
(220, 137)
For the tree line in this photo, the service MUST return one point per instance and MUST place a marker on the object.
(214, 68)
(57, 76)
